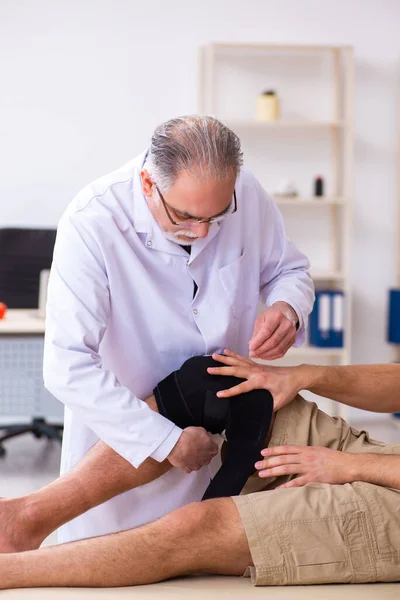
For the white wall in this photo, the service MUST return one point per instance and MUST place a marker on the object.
(83, 83)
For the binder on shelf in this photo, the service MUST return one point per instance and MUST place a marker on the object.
(393, 325)
(393, 334)
(326, 323)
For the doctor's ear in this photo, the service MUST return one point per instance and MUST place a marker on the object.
(147, 182)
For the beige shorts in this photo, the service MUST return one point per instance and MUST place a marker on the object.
(321, 533)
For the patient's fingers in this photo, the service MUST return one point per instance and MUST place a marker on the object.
(230, 358)
(297, 482)
(240, 372)
(226, 360)
(279, 471)
(238, 357)
(241, 388)
(277, 461)
(278, 450)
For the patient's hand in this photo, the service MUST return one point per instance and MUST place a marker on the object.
(283, 382)
(310, 464)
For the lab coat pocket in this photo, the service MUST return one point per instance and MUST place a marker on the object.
(239, 284)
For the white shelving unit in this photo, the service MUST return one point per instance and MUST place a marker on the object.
(396, 348)
(297, 124)
(315, 88)
(311, 202)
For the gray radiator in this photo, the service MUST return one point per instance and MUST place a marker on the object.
(22, 392)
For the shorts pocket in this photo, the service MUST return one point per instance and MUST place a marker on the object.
(321, 565)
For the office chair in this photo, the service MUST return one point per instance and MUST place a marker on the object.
(24, 253)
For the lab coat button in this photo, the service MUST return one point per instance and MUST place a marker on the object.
(195, 311)
(149, 243)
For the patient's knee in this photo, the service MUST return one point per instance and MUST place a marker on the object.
(201, 517)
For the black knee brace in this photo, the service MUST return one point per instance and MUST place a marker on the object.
(188, 398)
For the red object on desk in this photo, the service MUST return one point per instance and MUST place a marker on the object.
(3, 310)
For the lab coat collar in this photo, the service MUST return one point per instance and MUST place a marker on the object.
(156, 240)
(141, 213)
(144, 221)
(200, 244)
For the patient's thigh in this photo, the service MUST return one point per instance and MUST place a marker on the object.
(302, 423)
(323, 533)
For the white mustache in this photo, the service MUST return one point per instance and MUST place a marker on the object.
(186, 233)
(175, 237)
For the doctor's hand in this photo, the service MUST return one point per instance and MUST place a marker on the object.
(194, 449)
(283, 382)
(274, 332)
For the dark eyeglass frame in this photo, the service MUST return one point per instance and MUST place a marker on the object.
(194, 221)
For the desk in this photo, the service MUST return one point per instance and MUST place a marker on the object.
(21, 321)
(22, 393)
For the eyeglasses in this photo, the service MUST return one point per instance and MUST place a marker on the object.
(192, 220)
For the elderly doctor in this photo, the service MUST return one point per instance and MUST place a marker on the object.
(163, 259)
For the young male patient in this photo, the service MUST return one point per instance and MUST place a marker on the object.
(339, 520)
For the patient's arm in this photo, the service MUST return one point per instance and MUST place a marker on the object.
(323, 465)
(380, 469)
(370, 387)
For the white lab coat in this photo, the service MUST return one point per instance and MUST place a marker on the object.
(121, 316)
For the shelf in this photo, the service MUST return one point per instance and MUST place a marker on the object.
(276, 47)
(317, 128)
(313, 201)
(309, 351)
(280, 124)
(314, 350)
(327, 275)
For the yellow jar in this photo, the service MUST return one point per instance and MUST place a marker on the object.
(267, 107)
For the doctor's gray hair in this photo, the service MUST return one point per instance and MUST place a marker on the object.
(201, 145)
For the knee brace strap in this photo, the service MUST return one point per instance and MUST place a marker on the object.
(188, 398)
(248, 422)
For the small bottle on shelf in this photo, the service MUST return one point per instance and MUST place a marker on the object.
(267, 108)
(319, 186)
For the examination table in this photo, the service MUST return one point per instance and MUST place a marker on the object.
(212, 588)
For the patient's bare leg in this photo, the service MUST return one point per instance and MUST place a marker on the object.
(205, 537)
(102, 474)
